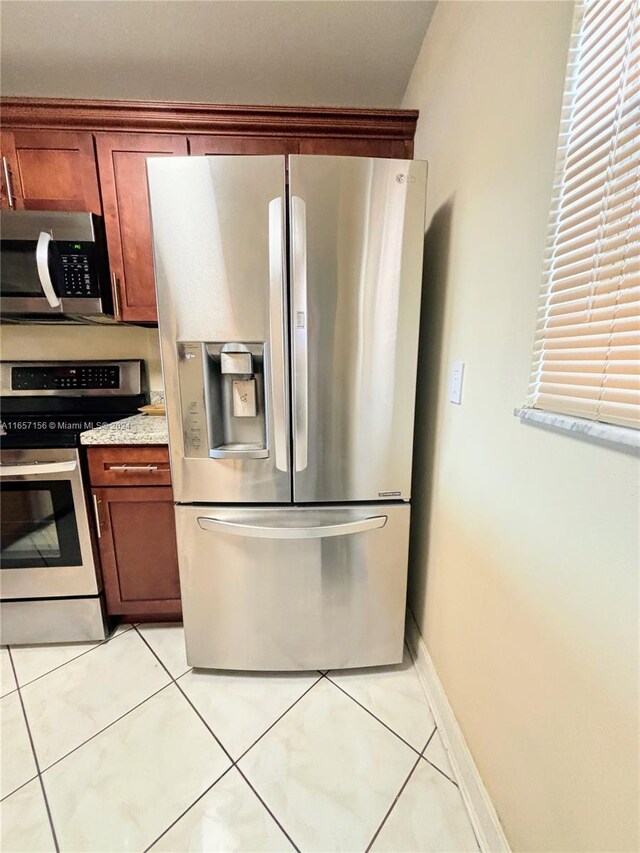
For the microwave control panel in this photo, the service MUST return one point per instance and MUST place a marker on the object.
(78, 271)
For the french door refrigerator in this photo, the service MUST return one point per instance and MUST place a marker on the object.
(288, 302)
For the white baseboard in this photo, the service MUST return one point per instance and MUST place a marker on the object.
(483, 816)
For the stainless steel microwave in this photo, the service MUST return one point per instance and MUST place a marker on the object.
(53, 264)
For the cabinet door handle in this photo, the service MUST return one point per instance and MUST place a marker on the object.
(7, 180)
(97, 515)
(149, 468)
(116, 293)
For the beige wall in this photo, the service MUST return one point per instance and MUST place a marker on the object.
(524, 568)
(31, 342)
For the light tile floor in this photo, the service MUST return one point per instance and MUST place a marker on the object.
(122, 746)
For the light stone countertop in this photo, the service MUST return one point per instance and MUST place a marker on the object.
(138, 429)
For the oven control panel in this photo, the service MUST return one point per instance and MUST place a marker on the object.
(50, 378)
(69, 378)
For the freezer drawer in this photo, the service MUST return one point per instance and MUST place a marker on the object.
(292, 589)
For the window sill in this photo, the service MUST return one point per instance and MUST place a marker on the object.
(609, 433)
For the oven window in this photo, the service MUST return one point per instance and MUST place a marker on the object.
(38, 526)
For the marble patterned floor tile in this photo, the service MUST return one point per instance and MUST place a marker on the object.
(73, 703)
(24, 823)
(438, 755)
(328, 771)
(167, 641)
(7, 678)
(227, 819)
(32, 662)
(123, 788)
(429, 817)
(395, 695)
(240, 707)
(18, 764)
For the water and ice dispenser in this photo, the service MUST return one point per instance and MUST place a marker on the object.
(223, 400)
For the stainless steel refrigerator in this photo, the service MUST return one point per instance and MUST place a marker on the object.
(289, 302)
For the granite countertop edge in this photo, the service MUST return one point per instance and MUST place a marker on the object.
(137, 429)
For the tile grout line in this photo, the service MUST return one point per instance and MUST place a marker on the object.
(403, 786)
(392, 806)
(435, 766)
(364, 708)
(189, 807)
(60, 665)
(174, 681)
(246, 779)
(277, 720)
(35, 758)
(108, 726)
(234, 763)
(442, 773)
(19, 788)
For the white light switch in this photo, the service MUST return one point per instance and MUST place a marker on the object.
(456, 373)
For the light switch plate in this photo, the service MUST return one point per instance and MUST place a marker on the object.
(456, 374)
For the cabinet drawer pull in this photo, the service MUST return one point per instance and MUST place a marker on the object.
(7, 180)
(149, 468)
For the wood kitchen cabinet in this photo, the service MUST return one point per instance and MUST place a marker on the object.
(205, 144)
(355, 147)
(49, 170)
(123, 180)
(136, 526)
(90, 155)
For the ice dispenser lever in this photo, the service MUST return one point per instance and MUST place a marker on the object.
(236, 362)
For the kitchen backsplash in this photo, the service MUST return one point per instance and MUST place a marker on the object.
(48, 342)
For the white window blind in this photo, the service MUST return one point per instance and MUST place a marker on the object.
(587, 343)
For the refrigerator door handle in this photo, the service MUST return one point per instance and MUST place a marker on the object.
(257, 531)
(276, 323)
(300, 325)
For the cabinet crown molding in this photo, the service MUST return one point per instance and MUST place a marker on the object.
(172, 117)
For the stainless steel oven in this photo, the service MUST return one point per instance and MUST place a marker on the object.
(54, 264)
(45, 545)
(48, 574)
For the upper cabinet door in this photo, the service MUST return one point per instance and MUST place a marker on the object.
(123, 179)
(49, 170)
(201, 145)
(345, 147)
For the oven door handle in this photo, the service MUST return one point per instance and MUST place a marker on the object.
(37, 468)
(42, 262)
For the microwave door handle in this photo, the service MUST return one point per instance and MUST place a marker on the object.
(42, 262)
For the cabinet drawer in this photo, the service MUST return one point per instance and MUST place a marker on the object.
(129, 466)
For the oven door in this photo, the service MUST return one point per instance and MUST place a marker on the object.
(45, 543)
(29, 276)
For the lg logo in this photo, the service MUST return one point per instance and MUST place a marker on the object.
(405, 179)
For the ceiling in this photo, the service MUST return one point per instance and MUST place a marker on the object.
(334, 53)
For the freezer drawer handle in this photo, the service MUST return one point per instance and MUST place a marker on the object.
(256, 531)
(31, 468)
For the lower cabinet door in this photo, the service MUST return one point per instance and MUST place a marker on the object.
(138, 550)
(293, 588)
